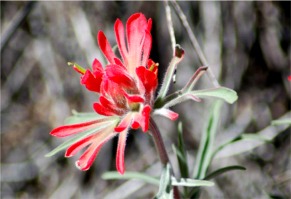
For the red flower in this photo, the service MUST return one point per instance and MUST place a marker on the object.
(126, 87)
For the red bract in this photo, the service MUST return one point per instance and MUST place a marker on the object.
(126, 86)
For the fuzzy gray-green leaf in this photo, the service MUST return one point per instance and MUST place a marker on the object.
(165, 188)
(229, 95)
(114, 175)
(186, 182)
(82, 117)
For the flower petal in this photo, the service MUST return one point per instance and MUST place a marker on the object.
(142, 119)
(146, 117)
(97, 66)
(135, 125)
(119, 75)
(147, 45)
(148, 79)
(105, 47)
(88, 157)
(77, 146)
(120, 38)
(106, 103)
(119, 62)
(149, 28)
(114, 91)
(120, 152)
(68, 130)
(135, 28)
(91, 83)
(134, 98)
(102, 110)
(167, 113)
(124, 123)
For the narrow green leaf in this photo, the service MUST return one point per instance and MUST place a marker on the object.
(281, 122)
(181, 161)
(177, 152)
(114, 175)
(253, 136)
(165, 188)
(181, 153)
(241, 144)
(242, 137)
(78, 137)
(223, 170)
(187, 182)
(224, 93)
(205, 149)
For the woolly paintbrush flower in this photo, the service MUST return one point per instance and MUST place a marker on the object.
(126, 88)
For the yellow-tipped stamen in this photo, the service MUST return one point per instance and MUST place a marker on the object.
(77, 67)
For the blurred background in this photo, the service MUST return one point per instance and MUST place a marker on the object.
(246, 43)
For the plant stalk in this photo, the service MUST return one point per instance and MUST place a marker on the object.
(194, 42)
(160, 146)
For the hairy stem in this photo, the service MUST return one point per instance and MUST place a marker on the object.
(160, 146)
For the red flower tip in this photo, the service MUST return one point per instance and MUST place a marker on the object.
(68, 130)
(121, 170)
(146, 116)
(174, 116)
(167, 113)
(134, 98)
(289, 78)
(97, 66)
(78, 165)
(120, 152)
(105, 47)
(135, 125)
(102, 110)
(101, 38)
(149, 25)
(133, 17)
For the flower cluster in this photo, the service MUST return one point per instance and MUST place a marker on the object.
(126, 88)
